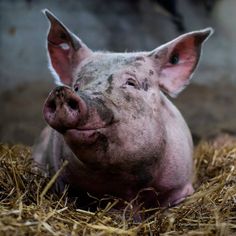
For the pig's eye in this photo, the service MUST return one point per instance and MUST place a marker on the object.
(131, 82)
(76, 88)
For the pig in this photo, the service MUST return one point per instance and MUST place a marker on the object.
(110, 119)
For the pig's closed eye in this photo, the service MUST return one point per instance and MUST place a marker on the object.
(131, 82)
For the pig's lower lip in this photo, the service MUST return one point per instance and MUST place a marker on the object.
(81, 136)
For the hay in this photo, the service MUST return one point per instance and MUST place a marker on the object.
(28, 208)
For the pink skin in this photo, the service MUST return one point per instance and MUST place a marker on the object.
(112, 121)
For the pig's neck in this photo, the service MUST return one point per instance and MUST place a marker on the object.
(178, 149)
(174, 121)
(83, 178)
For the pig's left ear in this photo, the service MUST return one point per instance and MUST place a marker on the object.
(65, 49)
(176, 61)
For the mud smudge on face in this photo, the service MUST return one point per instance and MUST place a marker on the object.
(110, 87)
(105, 113)
(162, 102)
(97, 93)
(151, 72)
(103, 142)
(137, 64)
(140, 59)
(145, 85)
(127, 97)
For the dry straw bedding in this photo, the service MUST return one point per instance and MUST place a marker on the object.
(28, 208)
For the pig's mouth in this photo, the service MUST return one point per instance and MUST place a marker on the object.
(82, 136)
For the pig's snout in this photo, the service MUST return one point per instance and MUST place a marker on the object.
(64, 109)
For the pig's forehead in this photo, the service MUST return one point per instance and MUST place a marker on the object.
(108, 62)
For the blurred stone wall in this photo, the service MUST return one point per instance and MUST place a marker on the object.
(125, 25)
(110, 25)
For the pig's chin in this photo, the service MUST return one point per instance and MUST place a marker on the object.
(88, 145)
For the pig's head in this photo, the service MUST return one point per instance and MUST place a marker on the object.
(109, 106)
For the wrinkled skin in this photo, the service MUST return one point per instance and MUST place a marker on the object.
(112, 121)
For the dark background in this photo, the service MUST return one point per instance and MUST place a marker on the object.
(208, 104)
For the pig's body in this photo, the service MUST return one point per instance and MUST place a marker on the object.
(170, 170)
(113, 124)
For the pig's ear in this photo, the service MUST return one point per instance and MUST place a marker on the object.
(65, 50)
(176, 61)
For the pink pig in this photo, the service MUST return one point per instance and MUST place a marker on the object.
(111, 120)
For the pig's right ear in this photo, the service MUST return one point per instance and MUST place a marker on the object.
(65, 50)
(176, 61)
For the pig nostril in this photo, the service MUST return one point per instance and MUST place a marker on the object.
(52, 106)
(73, 104)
